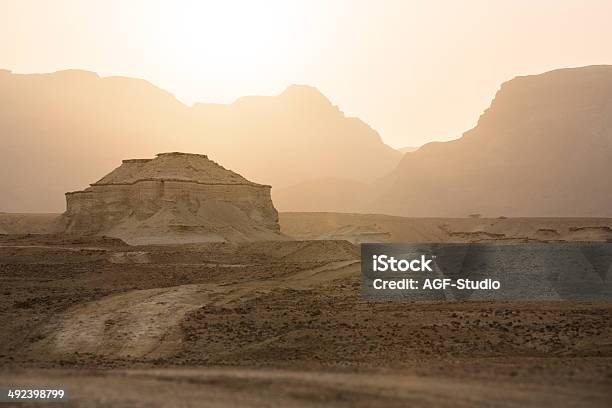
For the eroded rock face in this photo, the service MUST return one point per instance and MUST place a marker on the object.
(543, 149)
(176, 197)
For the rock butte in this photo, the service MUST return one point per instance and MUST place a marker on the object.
(175, 197)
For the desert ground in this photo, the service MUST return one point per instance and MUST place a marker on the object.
(282, 323)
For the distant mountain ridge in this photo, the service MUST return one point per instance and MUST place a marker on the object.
(61, 130)
(543, 148)
(407, 149)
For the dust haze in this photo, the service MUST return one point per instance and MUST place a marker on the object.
(159, 251)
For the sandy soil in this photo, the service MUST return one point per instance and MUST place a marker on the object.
(277, 324)
(359, 228)
(243, 387)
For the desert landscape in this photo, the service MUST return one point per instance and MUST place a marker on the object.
(188, 192)
(283, 322)
(173, 278)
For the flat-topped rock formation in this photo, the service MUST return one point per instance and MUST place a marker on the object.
(175, 197)
(188, 167)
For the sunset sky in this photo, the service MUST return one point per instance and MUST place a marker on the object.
(415, 71)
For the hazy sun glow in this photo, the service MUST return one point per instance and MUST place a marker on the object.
(229, 40)
(397, 64)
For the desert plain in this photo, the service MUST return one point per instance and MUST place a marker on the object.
(282, 323)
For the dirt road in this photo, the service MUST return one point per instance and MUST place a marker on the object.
(146, 323)
(233, 387)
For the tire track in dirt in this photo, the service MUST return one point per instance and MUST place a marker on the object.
(146, 323)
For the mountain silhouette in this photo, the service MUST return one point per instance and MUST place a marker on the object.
(543, 148)
(61, 130)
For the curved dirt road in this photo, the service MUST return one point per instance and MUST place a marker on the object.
(146, 323)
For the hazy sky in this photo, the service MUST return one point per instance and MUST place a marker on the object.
(414, 70)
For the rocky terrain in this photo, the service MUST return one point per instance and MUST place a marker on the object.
(358, 228)
(269, 323)
(174, 198)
